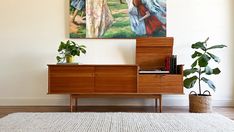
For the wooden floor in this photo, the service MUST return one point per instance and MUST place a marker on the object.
(226, 111)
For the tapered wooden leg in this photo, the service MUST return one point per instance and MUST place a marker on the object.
(156, 102)
(76, 104)
(160, 103)
(71, 105)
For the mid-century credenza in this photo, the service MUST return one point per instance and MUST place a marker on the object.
(120, 81)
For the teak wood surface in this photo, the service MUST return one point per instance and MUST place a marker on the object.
(151, 52)
(91, 79)
(115, 79)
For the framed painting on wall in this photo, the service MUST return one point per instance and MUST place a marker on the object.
(117, 18)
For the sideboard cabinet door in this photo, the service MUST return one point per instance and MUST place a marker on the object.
(116, 79)
(149, 83)
(70, 79)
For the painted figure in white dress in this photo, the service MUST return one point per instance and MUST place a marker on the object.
(99, 18)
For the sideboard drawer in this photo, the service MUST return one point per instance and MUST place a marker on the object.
(160, 83)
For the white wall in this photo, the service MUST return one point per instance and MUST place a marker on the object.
(30, 32)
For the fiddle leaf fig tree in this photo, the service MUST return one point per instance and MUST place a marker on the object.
(202, 56)
(69, 48)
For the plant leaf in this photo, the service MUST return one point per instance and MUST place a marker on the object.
(73, 52)
(82, 46)
(73, 42)
(68, 42)
(203, 60)
(194, 64)
(196, 54)
(216, 47)
(189, 71)
(204, 71)
(61, 46)
(216, 71)
(215, 58)
(206, 39)
(189, 82)
(209, 82)
(83, 50)
(78, 53)
(199, 45)
(208, 70)
(59, 58)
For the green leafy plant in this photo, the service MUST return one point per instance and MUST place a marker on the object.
(200, 66)
(69, 48)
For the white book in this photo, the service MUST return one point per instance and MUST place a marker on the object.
(153, 71)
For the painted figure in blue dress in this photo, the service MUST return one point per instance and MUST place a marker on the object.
(137, 26)
(79, 5)
(156, 8)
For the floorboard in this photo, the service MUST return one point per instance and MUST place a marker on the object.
(5, 110)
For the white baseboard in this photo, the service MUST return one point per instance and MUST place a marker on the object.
(64, 101)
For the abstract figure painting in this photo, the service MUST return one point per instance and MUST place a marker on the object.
(117, 18)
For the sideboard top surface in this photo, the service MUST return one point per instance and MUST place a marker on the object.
(96, 65)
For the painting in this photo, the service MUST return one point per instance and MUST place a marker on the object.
(117, 18)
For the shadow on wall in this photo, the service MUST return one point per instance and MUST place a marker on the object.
(232, 42)
(127, 52)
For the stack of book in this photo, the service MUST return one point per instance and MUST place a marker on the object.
(171, 64)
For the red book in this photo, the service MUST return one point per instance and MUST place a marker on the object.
(167, 63)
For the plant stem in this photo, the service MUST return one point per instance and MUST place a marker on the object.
(199, 81)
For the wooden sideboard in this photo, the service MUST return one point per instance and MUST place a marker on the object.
(92, 79)
(88, 81)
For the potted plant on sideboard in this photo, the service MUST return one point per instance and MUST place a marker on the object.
(200, 69)
(68, 50)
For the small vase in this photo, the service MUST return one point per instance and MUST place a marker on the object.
(69, 59)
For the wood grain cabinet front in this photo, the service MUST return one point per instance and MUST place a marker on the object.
(70, 79)
(161, 83)
(116, 79)
(149, 83)
(172, 84)
(92, 79)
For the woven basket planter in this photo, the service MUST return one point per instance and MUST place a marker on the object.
(200, 103)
